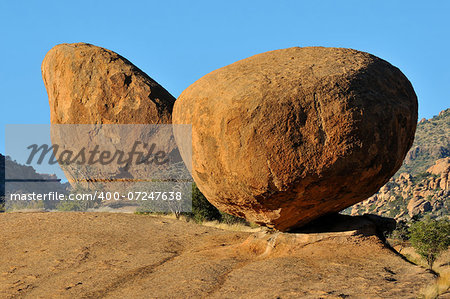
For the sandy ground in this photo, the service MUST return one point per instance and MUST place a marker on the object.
(96, 255)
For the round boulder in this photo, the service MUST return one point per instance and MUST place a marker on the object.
(286, 136)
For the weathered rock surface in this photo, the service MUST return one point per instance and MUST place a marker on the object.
(441, 169)
(418, 205)
(286, 136)
(87, 84)
(117, 255)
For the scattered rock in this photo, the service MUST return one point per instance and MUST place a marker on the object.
(408, 195)
(405, 177)
(417, 206)
(431, 142)
(442, 169)
(286, 136)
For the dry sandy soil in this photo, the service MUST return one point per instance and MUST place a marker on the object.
(95, 255)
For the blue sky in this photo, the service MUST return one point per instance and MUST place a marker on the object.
(177, 42)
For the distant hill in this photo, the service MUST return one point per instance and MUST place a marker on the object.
(431, 142)
(17, 170)
(421, 186)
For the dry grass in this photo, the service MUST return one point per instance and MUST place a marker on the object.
(441, 286)
(442, 266)
(236, 227)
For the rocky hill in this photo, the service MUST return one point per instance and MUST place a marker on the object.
(431, 142)
(421, 186)
(19, 171)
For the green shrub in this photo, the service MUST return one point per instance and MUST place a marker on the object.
(400, 234)
(69, 205)
(230, 219)
(24, 205)
(202, 209)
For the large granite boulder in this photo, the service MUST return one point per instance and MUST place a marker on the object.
(87, 84)
(94, 89)
(286, 136)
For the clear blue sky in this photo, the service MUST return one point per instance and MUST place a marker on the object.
(177, 42)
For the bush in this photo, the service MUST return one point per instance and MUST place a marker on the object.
(76, 206)
(202, 209)
(430, 237)
(400, 234)
(230, 219)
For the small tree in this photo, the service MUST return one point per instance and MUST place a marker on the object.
(430, 237)
(401, 234)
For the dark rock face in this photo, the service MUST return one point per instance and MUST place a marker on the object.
(92, 85)
(286, 136)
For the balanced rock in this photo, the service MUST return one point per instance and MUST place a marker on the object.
(286, 136)
(87, 84)
(90, 85)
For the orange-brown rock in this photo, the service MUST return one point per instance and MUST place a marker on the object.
(441, 168)
(286, 136)
(87, 84)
